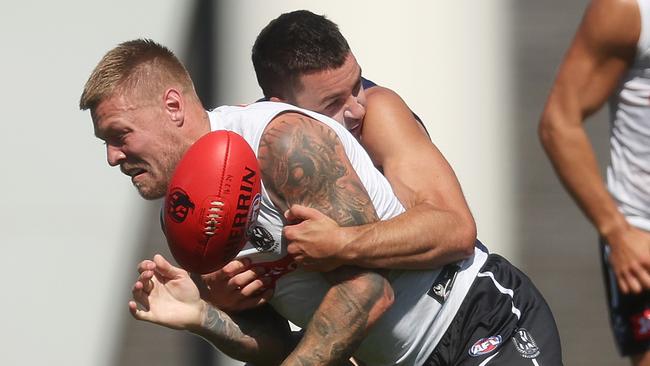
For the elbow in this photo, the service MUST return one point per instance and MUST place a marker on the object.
(467, 242)
(548, 130)
(388, 297)
(544, 133)
(456, 243)
(466, 238)
(384, 299)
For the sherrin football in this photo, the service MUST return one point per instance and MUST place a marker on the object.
(212, 201)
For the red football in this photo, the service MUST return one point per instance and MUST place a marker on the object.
(212, 200)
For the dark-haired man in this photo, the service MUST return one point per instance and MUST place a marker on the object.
(302, 58)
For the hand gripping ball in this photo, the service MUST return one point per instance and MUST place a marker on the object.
(212, 201)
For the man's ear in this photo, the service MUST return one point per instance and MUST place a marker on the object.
(174, 105)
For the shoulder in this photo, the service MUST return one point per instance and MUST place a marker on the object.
(294, 128)
(294, 120)
(385, 109)
(612, 24)
(388, 123)
(383, 104)
(380, 93)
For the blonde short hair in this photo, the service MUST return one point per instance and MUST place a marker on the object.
(139, 67)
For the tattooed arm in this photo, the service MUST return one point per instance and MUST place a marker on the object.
(259, 336)
(166, 295)
(304, 162)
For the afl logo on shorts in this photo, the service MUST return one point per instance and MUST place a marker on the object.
(179, 205)
(525, 344)
(484, 346)
(262, 239)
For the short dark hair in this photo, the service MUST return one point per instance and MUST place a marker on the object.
(295, 43)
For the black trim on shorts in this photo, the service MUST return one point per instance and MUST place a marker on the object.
(503, 318)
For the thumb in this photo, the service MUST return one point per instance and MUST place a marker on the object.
(301, 213)
(166, 269)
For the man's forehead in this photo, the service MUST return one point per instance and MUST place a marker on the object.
(108, 112)
(330, 83)
(116, 103)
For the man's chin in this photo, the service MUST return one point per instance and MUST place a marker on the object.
(149, 193)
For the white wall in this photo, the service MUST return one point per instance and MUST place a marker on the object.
(448, 59)
(68, 223)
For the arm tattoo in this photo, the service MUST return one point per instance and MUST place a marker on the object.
(303, 161)
(220, 324)
(259, 335)
(339, 326)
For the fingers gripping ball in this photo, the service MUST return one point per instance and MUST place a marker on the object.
(213, 199)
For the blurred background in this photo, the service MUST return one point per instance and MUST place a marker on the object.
(478, 73)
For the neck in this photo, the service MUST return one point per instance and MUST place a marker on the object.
(202, 125)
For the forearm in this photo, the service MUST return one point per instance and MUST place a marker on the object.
(259, 336)
(601, 53)
(574, 160)
(437, 227)
(354, 303)
(422, 237)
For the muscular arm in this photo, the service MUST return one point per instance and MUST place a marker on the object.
(437, 227)
(602, 50)
(303, 162)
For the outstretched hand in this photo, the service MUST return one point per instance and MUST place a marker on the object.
(315, 241)
(166, 295)
(630, 260)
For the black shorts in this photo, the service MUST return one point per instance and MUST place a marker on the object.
(629, 314)
(503, 320)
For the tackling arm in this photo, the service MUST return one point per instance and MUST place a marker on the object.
(303, 161)
(602, 50)
(437, 227)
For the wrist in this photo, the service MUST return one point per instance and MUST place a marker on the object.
(614, 228)
(201, 322)
(351, 237)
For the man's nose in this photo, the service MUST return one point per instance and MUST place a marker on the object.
(114, 155)
(355, 109)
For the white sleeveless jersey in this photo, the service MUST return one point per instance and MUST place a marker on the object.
(409, 331)
(628, 175)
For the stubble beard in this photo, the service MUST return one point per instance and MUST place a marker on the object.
(160, 177)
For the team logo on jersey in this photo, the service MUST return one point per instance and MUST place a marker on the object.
(180, 205)
(641, 325)
(262, 239)
(525, 344)
(253, 213)
(484, 346)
